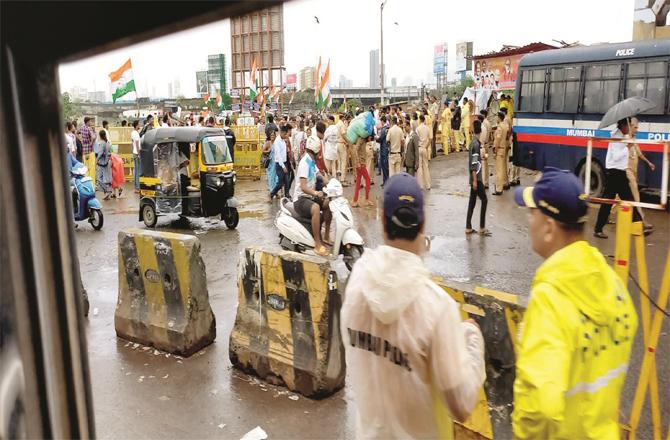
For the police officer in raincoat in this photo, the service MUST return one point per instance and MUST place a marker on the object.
(578, 329)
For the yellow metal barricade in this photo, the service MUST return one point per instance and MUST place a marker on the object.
(651, 326)
(248, 150)
(128, 167)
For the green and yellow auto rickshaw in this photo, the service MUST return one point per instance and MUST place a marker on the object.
(187, 171)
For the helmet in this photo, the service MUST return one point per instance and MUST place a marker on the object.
(314, 146)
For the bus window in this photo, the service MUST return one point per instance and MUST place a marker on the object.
(564, 89)
(648, 80)
(601, 88)
(532, 91)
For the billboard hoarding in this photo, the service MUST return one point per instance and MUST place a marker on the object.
(497, 73)
(463, 50)
(440, 52)
(201, 82)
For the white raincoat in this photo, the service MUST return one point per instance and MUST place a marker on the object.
(409, 355)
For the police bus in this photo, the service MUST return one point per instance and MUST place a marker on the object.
(563, 94)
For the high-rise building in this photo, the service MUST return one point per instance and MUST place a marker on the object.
(176, 87)
(216, 74)
(345, 83)
(170, 91)
(375, 79)
(307, 78)
(258, 36)
(394, 82)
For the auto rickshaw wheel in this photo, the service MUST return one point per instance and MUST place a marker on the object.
(149, 215)
(231, 217)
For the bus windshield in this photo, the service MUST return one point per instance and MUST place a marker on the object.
(215, 150)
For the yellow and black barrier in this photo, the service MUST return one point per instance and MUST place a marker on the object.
(163, 300)
(498, 314)
(287, 328)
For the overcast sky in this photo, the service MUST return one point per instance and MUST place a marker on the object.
(349, 29)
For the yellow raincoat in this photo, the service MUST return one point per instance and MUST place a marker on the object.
(574, 349)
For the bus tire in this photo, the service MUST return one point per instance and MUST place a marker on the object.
(597, 177)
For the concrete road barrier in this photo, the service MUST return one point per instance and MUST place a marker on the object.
(163, 300)
(287, 328)
(498, 314)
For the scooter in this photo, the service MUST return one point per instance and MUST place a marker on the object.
(86, 205)
(295, 232)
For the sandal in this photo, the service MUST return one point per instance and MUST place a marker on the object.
(370, 203)
(321, 251)
(327, 242)
(355, 204)
(485, 232)
(469, 231)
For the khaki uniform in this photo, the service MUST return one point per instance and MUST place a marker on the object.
(447, 135)
(500, 151)
(423, 172)
(631, 173)
(342, 153)
(515, 171)
(370, 157)
(466, 124)
(395, 137)
(485, 141)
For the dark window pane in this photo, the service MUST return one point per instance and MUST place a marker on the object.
(657, 68)
(592, 96)
(557, 74)
(524, 104)
(636, 69)
(611, 71)
(525, 76)
(656, 91)
(635, 87)
(573, 72)
(556, 93)
(538, 75)
(594, 72)
(610, 94)
(537, 97)
(571, 97)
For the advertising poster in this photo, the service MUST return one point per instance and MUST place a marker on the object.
(201, 82)
(463, 50)
(439, 59)
(496, 73)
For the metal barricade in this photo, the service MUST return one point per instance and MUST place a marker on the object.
(248, 150)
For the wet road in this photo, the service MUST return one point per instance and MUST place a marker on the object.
(144, 393)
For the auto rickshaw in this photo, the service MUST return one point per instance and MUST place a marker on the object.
(187, 171)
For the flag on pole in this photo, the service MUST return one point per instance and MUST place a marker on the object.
(317, 89)
(253, 85)
(122, 81)
(325, 87)
(219, 100)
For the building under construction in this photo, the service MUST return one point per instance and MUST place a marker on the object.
(259, 36)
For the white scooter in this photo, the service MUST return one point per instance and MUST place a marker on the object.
(295, 232)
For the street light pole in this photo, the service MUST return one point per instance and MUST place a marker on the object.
(381, 27)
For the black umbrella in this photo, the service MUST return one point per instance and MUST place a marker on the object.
(625, 109)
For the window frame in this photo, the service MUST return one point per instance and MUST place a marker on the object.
(564, 81)
(646, 77)
(532, 83)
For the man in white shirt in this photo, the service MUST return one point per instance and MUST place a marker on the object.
(330, 146)
(279, 160)
(616, 183)
(135, 139)
(308, 200)
(412, 363)
(70, 138)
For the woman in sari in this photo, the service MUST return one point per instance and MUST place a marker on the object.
(103, 164)
(270, 171)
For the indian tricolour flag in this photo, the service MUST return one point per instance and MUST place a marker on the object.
(253, 84)
(122, 81)
(325, 87)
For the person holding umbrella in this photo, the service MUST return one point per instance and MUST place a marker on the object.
(616, 161)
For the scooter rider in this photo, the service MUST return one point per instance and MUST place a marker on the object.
(308, 202)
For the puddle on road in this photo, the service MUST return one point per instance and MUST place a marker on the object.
(254, 214)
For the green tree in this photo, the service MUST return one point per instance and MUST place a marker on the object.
(69, 109)
(460, 87)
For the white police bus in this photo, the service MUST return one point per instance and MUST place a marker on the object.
(563, 94)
